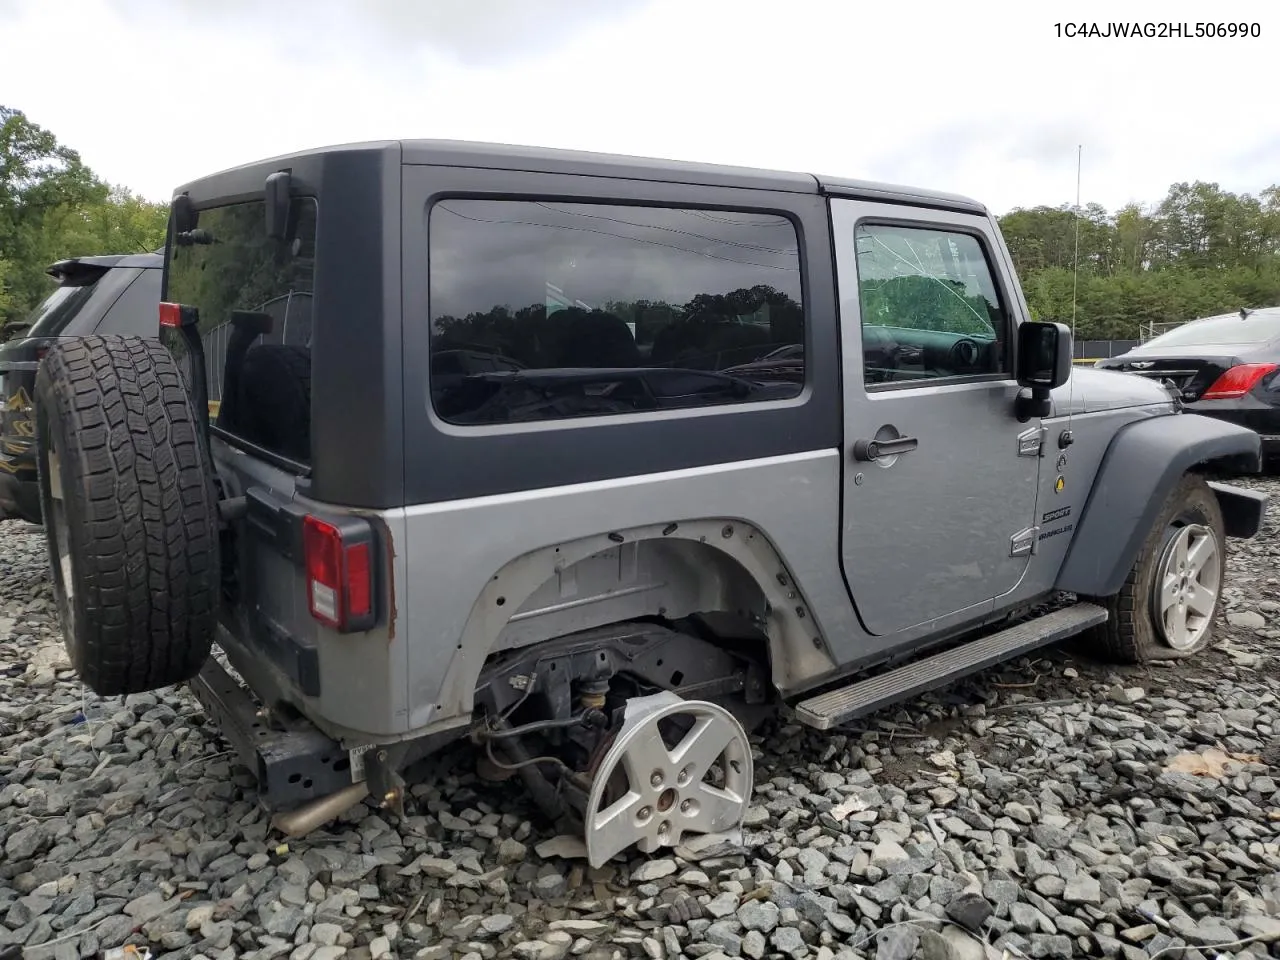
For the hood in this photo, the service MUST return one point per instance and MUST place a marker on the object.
(1091, 390)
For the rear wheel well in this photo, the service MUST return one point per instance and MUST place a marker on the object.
(720, 577)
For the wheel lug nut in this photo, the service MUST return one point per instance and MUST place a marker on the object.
(656, 779)
(644, 813)
(686, 806)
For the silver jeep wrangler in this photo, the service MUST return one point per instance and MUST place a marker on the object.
(597, 461)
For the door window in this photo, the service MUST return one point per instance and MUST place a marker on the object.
(929, 304)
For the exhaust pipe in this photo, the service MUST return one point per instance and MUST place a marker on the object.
(298, 823)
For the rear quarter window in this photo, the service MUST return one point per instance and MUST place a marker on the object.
(547, 310)
(56, 311)
(136, 312)
(253, 294)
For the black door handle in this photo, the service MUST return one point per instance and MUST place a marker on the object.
(875, 449)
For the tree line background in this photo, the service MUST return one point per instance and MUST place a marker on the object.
(52, 206)
(1201, 250)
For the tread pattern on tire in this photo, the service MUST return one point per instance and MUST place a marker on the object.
(1128, 636)
(141, 512)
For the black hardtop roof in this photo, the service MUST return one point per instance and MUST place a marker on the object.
(498, 156)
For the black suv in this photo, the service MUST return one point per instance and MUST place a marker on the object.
(119, 293)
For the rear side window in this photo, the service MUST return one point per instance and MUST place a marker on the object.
(58, 309)
(135, 313)
(253, 295)
(543, 310)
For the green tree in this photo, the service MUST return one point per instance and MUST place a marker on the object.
(1199, 251)
(53, 206)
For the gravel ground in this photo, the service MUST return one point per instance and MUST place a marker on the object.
(1055, 808)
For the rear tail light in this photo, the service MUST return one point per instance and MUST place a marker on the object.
(1237, 381)
(175, 315)
(170, 315)
(339, 574)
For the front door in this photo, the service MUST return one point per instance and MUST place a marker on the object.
(939, 476)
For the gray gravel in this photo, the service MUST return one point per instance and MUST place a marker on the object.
(1031, 808)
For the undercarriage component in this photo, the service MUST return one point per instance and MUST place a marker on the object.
(556, 678)
(294, 764)
(298, 823)
(675, 767)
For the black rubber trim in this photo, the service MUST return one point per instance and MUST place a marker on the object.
(1242, 510)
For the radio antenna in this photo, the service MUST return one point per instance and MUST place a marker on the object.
(1075, 276)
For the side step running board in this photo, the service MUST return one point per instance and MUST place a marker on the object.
(831, 709)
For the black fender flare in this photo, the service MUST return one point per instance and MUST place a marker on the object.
(1143, 463)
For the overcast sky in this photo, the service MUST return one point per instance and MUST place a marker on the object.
(948, 95)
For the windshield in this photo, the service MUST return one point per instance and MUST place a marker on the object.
(1231, 329)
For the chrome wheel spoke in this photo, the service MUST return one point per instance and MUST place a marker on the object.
(615, 825)
(701, 747)
(1200, 553)
(645, 759)
(1177, 621)
(711, 809)
(1200, 600)
(1180, 550)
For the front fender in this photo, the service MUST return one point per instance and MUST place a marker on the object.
(1143, 463)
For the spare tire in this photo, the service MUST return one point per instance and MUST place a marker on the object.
(131, 513)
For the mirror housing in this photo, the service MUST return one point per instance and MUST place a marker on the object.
(1043, 360)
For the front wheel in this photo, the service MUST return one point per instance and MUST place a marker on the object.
(1167, 606)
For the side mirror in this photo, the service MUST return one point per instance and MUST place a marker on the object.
(1043, 362)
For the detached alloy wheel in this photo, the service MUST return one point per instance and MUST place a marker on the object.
(1167, 606)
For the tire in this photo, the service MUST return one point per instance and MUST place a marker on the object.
(131, 513)
(1134, 632)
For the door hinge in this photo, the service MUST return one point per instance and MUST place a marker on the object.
(1031, 442)
(1023, 543)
